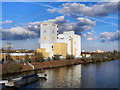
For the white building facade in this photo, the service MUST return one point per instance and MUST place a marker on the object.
(73, 42)
(49, 35)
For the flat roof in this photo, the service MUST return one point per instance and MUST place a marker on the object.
(18, 54)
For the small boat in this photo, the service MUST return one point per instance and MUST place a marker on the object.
(3, 81)
(10, 83)
(42, 75)
(16, 79)
(17, 82)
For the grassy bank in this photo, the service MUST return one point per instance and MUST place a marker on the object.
(39, 62)
(16, 68)
(95, 60)
(101, 57)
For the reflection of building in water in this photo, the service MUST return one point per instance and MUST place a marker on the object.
(63, 77)
(74, 76)
(58, 44)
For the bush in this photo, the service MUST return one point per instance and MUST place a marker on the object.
(70, 57)
(86, 60)
(48, 58)
(56, 57)
(39, 57)
(26, 58)
(9, 59)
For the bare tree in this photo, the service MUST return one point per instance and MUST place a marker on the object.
(8, 47)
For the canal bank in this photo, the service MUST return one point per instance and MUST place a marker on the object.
(20, 67)
(39, 65)
(92, 75)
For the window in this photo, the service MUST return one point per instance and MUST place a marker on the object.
(61, 38)
(44, 24)
(44, 31)
(53, 24)
(53, 31)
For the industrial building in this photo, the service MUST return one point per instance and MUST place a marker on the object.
(60, 49)
(52, 43)
(73, 42)
(16, 56)
(48, 36)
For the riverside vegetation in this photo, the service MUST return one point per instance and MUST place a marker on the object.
(101, 57)
(13, 67)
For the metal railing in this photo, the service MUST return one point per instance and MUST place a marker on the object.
(31, 65)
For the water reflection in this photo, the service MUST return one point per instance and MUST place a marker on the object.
(63, 77)
(101, 75)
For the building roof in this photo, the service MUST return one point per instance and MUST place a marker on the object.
(18, 54)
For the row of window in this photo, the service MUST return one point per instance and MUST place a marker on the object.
(62, 38)
(49, 24)
(52, 31)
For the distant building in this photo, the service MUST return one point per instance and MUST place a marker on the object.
(53, 43)
(21, 50)
(15, 51)
(99, 51)
(16, 56)
(86, 55)
(43, 51)
(83, 50)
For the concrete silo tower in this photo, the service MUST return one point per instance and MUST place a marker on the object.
(48, 36)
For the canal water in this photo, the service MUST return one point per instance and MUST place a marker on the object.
(100, 75)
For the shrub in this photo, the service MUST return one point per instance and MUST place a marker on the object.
(70, 57)
(39, 57)
(48, 58)
(9, 59)
(87, 59)
(56, 57)
(26, 58)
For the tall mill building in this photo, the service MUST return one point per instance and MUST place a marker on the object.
(52, 43)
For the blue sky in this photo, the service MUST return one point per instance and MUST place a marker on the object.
(97, 23)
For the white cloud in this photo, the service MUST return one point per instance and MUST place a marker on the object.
(7, 21)
(60, 20)
(83, 24)
(77, 9)
(17, 33)
(100, 20)
(32, 29)
(89, 36)
(110, 37)
(51, 10)
(110, 0)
